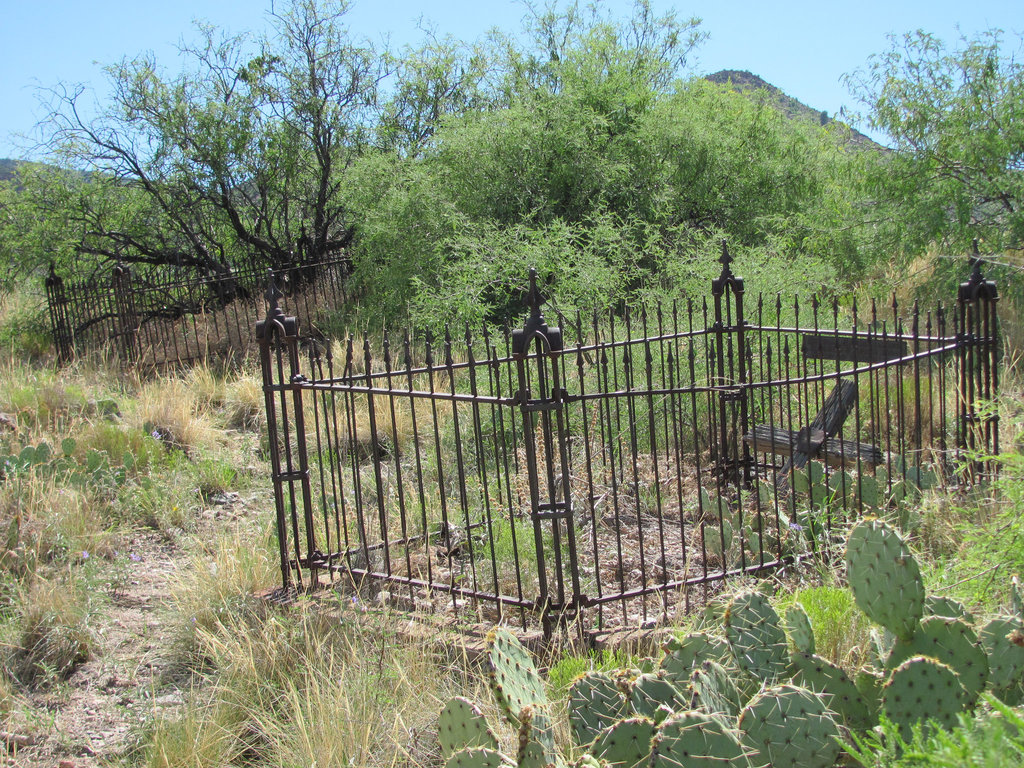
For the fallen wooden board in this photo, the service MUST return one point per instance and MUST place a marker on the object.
(833, 451)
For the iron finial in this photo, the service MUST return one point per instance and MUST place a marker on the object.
(273, 294)
(976, 276)
(725, 259)
(534, 298)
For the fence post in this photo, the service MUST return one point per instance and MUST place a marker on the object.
(977, 300)
(550, 485)
(60, 328)
(124, 302)
(278, 338)
(731, 375)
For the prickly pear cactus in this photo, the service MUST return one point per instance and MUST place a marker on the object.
(755, 637)
(697, 740)
(790, 727)
(625, 744)
(798, 625)
(536, 738)
(531, 755)
(461, 724)
(685, 653)
(479, 757)
(869, 683)
(867, 491)
(1003, 641)
(595, 702)
(714, 691)
(884, 577)
(922, 689)
(952, 642)
(651, 691)
(947, 607)
(718, 539)
(513, 677)
(822, 676)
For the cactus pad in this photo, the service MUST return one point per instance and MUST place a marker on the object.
(514, 680)
(625, 744)
(869, 684)
(533, 755)
(952, 642)
(1003, 641)
(687, 652)
(461, 724)
(650, 691)
(755, 636)
(537, 736)
(479, 757)
(922, 689)
(788, 727)
(798, 625)
(946, 607)
(822, 676)
(714, 691)
(884, 577)
(594, 703)
(696, 740)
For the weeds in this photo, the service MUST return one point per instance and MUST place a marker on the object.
(55, 633)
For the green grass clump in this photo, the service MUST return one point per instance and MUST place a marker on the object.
(839, 628)
(54, 629)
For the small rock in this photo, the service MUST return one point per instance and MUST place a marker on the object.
(8, 423)
(66, 764)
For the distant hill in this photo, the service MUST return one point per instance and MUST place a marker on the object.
(7, 168)
(747, 82)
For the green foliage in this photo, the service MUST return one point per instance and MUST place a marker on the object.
(991, 739)
(956, 118)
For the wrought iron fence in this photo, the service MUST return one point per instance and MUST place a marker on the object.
(615, 468)
(163, 319)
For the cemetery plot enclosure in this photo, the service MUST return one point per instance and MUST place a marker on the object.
(164, 318)
(613, 468)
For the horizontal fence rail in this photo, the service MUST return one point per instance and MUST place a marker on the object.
(615, 468)
(162, 319)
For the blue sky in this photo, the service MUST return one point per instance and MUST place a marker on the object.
(802, 47)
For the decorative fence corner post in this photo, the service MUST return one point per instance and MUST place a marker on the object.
(734, 460)
(550, 485)
(60, 326)
(278, 338)
(978, 431)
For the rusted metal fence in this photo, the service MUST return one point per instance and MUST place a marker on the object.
(161, 319)
(616, 468)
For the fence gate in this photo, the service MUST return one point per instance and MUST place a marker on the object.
(611, 469)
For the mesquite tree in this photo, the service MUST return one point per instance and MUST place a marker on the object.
(239, 158)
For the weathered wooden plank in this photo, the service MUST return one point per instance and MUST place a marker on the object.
(830, 418)
(833, 451)
(864, 348)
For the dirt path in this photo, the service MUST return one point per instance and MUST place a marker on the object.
(99, 713)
